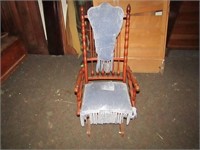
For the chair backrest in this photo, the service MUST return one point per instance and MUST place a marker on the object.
(104, 59)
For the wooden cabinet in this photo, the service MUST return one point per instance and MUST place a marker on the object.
(148, 30)
(12, 53)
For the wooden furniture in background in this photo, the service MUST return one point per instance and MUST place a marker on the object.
(148, 31)
(121, 71)
(22, 19)
(12, 53)
(183, 25)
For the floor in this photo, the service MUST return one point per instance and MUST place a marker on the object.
(38, 107)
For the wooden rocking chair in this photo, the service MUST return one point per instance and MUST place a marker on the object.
(106, 94)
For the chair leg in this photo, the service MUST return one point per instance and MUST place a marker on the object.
(121, 129)
(88, 127)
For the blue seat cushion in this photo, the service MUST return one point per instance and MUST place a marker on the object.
(106, 102)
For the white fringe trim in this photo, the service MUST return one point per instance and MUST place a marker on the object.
(108, 117)
(104, 65)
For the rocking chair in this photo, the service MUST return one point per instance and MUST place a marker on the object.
(105, 87)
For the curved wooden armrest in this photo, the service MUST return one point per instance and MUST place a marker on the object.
(133, 79)
(79, 80)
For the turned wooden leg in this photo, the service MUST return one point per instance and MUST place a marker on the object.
(121, 129)
(78, 108)
(88, 126)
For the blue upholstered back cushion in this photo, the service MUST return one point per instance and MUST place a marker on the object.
(106, 22)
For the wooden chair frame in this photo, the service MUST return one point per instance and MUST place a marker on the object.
(87, 73)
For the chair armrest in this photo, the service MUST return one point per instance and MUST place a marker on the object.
(132, 78)
(79, 80)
